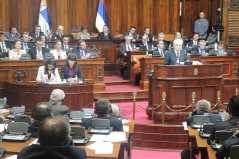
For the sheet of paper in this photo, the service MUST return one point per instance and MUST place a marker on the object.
(126, 128)
(104, 148)
(12, 157)
(2, 127)
(125, 121)
(185, 125)
(97, 137)
(115, 137)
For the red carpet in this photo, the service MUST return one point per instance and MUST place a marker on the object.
(113, 79)
(119, 88)
(150, 154)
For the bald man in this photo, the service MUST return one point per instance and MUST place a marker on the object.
(201, 26)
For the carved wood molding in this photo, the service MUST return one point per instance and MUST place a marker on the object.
(19, 76)
(233, 40)
(235, 68)
(147, 67)
(234, 4)
(100, 73)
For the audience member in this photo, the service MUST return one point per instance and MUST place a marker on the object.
(56, 99)
(131, 33)
(230, 122)
(81, 51)
(38, 52)
(71, 70)
(212, 38)
(126, 46)
(4, 47)
(44, 41)
(177, 35)
(102, 110)
(57, 52)
(150, 37)
(176, 55)
(105, 34)
(145, 43)
(65, 45)
(48, 72)
(160, 49)
(58, 34)
(83, 34)
(201, 26)
(26, 45)
(36, 33)
(54, 142)
(16, 53)
(194, 41)
(40, 112)
(13, 34)
(201, 50)
(161, 37)
(219, 46)
(115, 111)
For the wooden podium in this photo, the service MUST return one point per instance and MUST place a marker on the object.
(178, 82)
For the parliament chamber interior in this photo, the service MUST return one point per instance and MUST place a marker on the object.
(156, 77)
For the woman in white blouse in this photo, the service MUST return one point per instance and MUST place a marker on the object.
(57, 52)
(15, 54)
(48, 72)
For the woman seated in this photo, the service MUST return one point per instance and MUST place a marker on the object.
(57, 52)
(15, 54)
(48, 72)
(84, 34)
(71, 70)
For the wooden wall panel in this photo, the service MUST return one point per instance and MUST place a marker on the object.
(4, 15)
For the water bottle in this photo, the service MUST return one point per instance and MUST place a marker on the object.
(5, 98)
(76, 78)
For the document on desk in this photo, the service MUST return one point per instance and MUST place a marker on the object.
(97, 137)
(126, 128)
(101, 147)
(116, 137)
(2, 127)
(125, 121)
(34, 142)
(12, 157)
(55, 82)
(185, 125)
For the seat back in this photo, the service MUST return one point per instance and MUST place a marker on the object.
(77, 114)
(18, 110)
(22, 118)
(234, 149)
(100, 123)
(49, 56)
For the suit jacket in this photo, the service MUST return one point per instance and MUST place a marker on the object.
(78, 51)
(56, 36)
(150, 37)
(149, 45)
(33, 34)
(224, 125)
(65, 72)
(122, 50)
(165, 44)
(171, 58)
(212, 117)
(134, 36)
(33, 129)
(11, 36)
(33, 52)
(102, 36)
(196, 50)
(59, 109)
(67, 48)
(190, 43)
(163, 50)
(36, 151)
(29, 45)
(7, 44)
(224, 150)
(116, 123)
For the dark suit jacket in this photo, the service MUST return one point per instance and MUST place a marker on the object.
(102, 36)
(33, 52)
(190, 43)
(213, 117)
(224, 125)
(65, 72)
(47, 46)
(36, 151)
(33, 129)
(171, 59)
(122, 50)
(149, 45)
(150, 37)
(165, 44)
(224, 150)
(59, 109)
(78, 51)
(157, 51)
(56, 36)
(196, 50)
(134, 35)
(29, 45)
(116, 123)
(69, 46)
(8, 45)
(33, 35)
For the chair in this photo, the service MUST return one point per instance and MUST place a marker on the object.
(136, 69)
(234, 149)
(100, 126)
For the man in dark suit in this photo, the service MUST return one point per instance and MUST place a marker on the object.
(176, 55)
(150, 37)
(230, 120)
(201, 50)
(38, 52)
(36, 33)
(56, 99)
(161, 37)
(126, 46)
(26, 45)
(145, 44)
(13, 35)
(194, 41)
(58, 35)
(4, 46)
(160, 49)
(65, 44)
(54, 141)
(177, 35)
(81, 50)
(103, 109)
(131, 33)
(105, 34)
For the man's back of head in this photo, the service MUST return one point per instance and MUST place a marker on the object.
(102, 107)
(57, 95)
(233, 106)
(54, 131)
(203, 106)
(41, 111)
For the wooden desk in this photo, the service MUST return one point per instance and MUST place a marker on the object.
(202, 146)
(25, 71)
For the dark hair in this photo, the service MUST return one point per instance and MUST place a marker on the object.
(57, 41)
(220, 43)
(233, 106)
(132, 27)
(50, 62)
(12, 27)
(16, 42)
(1, 33)
(54, 131)
(37, 26)
(102, 107)
(41, 111)
(72, 57)
(196, 33)
(80, 41)
(83, 28)
(146, 28)
(38, 39)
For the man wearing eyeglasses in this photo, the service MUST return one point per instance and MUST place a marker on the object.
(81, 51)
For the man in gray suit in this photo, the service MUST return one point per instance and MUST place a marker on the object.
(13, 34)
(160, 49)
(176, 55)
(201, 26)
(126, 46)
(131, 33)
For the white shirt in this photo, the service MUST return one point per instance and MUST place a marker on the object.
(13, 55)
(41, 75)
(62, 54)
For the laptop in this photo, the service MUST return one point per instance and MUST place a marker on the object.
(100, 126)
(220, 137)
(76, 116)
(78, 135)
(198, 120)
(15, 110)
(22, 118)
(89, 112)
(16, 131)
(207, 129)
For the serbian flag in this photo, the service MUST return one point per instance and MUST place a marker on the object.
(44, 18)
(101, 17)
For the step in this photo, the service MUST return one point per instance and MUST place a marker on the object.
(123, 82)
